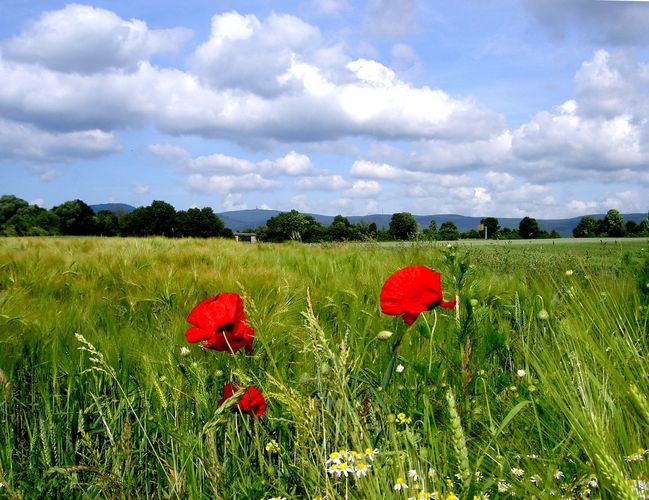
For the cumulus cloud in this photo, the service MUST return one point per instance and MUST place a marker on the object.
(169, 153)
(363, 189)
(322, 183)
(252, 81)
(85, 39)
(27, 143)
(245, 53)
(225, 184)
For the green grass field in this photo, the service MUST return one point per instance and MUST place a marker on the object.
(537, 387)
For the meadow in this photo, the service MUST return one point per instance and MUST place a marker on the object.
(535, 385)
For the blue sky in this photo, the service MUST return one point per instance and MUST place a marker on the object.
(499, 108)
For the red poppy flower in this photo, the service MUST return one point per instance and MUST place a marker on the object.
(221, 323)
(252, 401)
(411, 291)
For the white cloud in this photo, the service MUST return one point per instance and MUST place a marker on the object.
(322, 183)
(234, 201)
(253, 81)
(245, 53)
(364, 189)
(225, 184)
(27, 143)
(38, 202)
(499, 181)
(293, 164)
(85, 39)
(141, 188)
(169, 153)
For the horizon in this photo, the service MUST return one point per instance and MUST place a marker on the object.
(512, 107)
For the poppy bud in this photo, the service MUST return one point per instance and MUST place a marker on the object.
(384, 335)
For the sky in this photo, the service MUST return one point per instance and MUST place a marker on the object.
(504, 108)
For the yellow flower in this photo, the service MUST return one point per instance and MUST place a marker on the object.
(272, 446)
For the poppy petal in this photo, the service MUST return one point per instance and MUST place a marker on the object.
(195, 334)
(448, 305)
(214, 313)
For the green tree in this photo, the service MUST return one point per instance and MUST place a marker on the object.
(106, 223)
(161, 218)
(340, 229)
(403, 226)
(555, 234)
(448, 231)
(528, 228)
(75, 218)
(430, 233)
(471, 234)
(9, 205)
(32, 220)
(492, 225)
(508, 233)
(587, 227)
(292, 225)
(372, 230)
(613, 224)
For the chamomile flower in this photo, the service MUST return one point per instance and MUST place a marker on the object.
(400, 484)
(361, 469)
(592, 481)
(422, 495)
(517, 471)
(334, 458)
(371, 453)
(334, 470)
(277, 498)
(412, 473)
(558, 475)
(503, 486)
(184, 351)
(345, 468)
(479, 476)
(536, 479)
(400, 368)
(521, 373)
(353, 456)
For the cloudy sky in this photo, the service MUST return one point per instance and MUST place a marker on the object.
(496, 108)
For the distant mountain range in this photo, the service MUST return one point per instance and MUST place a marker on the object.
(238, 220)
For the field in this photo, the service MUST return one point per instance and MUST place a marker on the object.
(535, 385)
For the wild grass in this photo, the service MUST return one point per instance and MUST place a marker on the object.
(536, 387)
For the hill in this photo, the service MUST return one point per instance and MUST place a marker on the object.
(118, 208)
(243, 219)
(238, 220)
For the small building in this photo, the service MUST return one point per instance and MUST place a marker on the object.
(251, 237)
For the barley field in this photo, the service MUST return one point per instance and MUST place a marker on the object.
(534, 385)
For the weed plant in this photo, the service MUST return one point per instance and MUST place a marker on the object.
(535, 386)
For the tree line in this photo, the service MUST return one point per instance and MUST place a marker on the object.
(75, 217)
